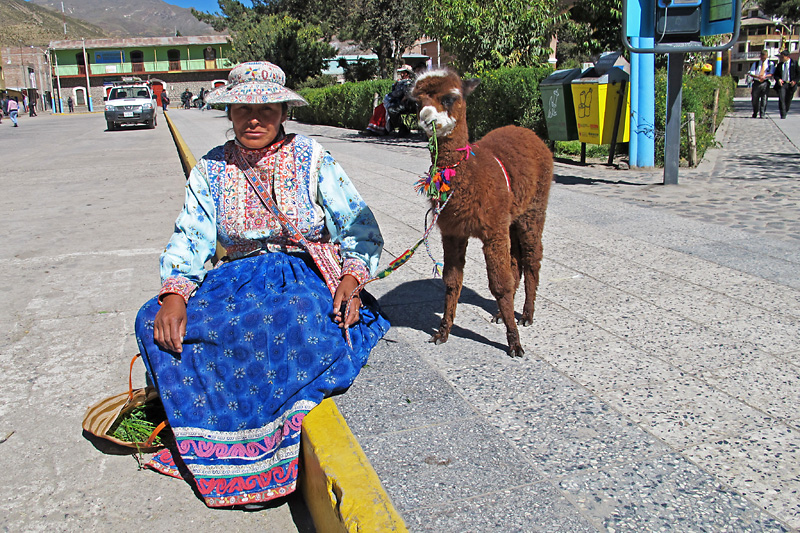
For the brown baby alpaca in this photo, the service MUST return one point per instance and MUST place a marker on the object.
(505, 210)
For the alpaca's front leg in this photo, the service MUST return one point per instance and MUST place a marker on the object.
(497, 251)
(455, 253)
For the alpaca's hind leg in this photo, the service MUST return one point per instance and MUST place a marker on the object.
(516, 265)
(530, 227)
(455, 253)
(496, 250)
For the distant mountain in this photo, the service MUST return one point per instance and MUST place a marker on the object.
(23, 23)
(132, 18)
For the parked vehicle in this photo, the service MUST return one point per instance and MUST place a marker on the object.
(130, 103)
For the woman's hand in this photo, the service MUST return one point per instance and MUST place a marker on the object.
(169, 327)
(343, 292)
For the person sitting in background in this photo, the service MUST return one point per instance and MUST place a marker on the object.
(388, 114)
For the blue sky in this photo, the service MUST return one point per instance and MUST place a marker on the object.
(208, 6)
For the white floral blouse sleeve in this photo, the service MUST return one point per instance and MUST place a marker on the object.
(193, 241)
(349, 221)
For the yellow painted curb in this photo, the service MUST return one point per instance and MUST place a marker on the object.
(187, 158)
(341, 489)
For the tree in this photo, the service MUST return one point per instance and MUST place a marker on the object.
(387, 27)
(298, 48)
(488, 34)
(604, 18)
(789, 10)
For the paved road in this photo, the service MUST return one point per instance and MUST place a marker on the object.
(659, 389)
(85, 215)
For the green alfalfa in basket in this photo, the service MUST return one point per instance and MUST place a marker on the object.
(138, 424)
(135, 425)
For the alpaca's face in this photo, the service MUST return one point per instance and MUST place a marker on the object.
(440, 101)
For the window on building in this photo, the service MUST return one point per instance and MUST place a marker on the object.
(81, 63)
(210, 57)
(742, 48)
(137, 60)
(174, 56)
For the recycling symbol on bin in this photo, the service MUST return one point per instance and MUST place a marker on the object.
(552, 110)
(584, 103)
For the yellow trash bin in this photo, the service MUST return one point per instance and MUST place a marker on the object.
(596, 99)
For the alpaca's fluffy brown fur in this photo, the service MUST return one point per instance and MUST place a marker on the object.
(509, 223)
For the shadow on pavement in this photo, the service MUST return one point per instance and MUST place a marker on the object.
(414, 305)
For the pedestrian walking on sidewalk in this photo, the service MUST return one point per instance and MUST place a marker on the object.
(13, 110)
(241, 353)
(760, 75)
(787, 74)
(70, 104)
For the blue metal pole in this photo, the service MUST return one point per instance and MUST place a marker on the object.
(646, 143)
(718, 65)
(633, 160)
(672, 138)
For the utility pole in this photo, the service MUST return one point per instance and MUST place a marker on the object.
(88, 83)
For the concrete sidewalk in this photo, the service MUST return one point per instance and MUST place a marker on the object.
(660, 385)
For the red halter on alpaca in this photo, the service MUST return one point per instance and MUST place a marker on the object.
(498, 194)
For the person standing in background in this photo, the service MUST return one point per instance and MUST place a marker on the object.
(760, 75)
(786, 75)
(13, 110)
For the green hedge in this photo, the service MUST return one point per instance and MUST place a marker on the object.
(348, 105)
(507, 96)
(697, 98)
(512, 96)
(504, 96)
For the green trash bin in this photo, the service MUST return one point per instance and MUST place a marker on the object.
(559, 112)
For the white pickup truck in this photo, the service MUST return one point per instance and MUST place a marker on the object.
(130, 104)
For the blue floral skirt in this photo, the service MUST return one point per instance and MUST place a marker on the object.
(261, 350)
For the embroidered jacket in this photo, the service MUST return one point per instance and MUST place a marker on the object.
(307, 184)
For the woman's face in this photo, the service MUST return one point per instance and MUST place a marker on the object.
(257, 125)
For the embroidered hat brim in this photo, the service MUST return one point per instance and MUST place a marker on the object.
(254, 92)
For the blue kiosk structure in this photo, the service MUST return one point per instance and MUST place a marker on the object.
(675, 28)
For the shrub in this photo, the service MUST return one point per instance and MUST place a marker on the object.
(507, 96)
(348, 105)
(511, 96)
(697, 98)
(317, 82)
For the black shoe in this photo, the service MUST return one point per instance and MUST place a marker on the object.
(755, 115)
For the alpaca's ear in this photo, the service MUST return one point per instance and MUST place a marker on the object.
(468, 85)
